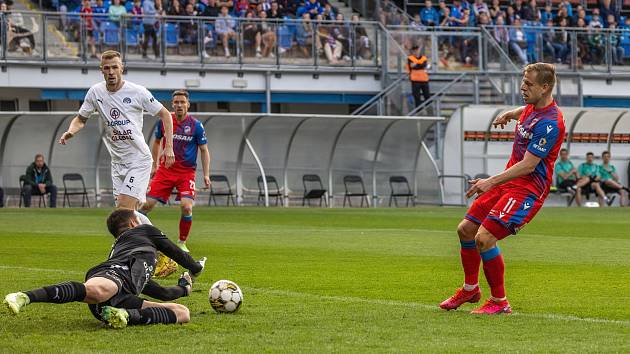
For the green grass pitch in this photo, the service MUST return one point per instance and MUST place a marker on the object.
(326, 280)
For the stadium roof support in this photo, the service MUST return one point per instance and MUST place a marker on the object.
(245, 146)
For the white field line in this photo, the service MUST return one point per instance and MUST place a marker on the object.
(358, 300)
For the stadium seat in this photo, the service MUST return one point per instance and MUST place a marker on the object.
(222, 191)
(111, 34)
(313, 189)
(286, 37)
(354, 188)
(42, 197)
(68, 189)
(400, 189)
(172, 35)
(273, 190)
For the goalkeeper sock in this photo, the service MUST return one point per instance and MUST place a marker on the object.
(185, 223)
(151, 315)
(58, 294)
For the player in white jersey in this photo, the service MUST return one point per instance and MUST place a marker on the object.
(120, 104)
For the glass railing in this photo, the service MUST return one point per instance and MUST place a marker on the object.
(186, 41)
(73, 37)
(571, 49)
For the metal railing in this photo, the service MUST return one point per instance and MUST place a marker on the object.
(185, 41)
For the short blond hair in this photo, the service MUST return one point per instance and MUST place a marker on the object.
(110, 54)
(545, 73)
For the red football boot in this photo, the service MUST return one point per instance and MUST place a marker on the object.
(461, 297)
(492, 307)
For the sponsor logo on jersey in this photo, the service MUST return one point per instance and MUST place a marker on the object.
(182, 137)
(116, 123)
(120, 135)
(187, 129)
(127, 100)
(524, 133)
(114, 113)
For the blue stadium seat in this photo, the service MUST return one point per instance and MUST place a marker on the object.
(286, 37)
(111, 33)
(132, 36)
(172, 35)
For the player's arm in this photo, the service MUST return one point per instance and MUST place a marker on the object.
(76, 125)
(167, 121)
(521, 168)
(157, 291)
(205, 163)
(505, 117)
(166, 246)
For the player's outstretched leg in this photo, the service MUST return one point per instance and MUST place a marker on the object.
(471, 260)
(151, 313)
(494, 270)
(58, 294)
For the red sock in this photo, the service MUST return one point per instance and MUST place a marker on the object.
(470, 262)
(494, 269)
(184, 227)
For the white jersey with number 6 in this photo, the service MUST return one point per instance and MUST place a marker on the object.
(121, 112)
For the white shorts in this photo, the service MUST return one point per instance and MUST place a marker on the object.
(131, 179)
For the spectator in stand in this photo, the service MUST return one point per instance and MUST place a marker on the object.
(211, 9)
(229, 4)
(150, 25)
(241, 7)
(530, 12)
(459, 16)
(589, 180)
(362, 40)
(137, 13)
(99, 9)
(188, 27)
(39, 182)
(567, 5)
(518, 8)
(478, 7)
(547, 14)
(561, 41)
(175, 9)
(304, 35)
(268, 36)
(615, 44)
(313, 8)
(86, 17)
(159, 9)
(429, 15)
(580, 14)
(416, 24)
(548, 37)
(332, 47)
(329, 13)
(510, 15)
(566, 174)
(606, 7)
(442, 8)
(582, 43)
(116, 10)
(563, 13)
(518, 42)
(341, 32)
(275, 12)
(626, 24)
(251, 32)
(596, 17)
(501, 33)
(224, 27)
(447, 19)
(610, 179)
(495, 10)
(596, 43)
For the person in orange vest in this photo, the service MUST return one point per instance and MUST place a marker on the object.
(417, 66)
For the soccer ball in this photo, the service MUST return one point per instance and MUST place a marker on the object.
(225, 296)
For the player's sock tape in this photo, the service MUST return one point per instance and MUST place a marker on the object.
(468, 244)
(490, 254)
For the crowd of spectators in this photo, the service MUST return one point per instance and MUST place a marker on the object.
(522, 27)
(322, 28)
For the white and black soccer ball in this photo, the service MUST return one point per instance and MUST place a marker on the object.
(225, 296)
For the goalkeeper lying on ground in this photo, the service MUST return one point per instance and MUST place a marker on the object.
(111, 288)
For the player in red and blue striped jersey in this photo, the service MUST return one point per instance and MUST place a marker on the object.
(189, 136)
(507, 201)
